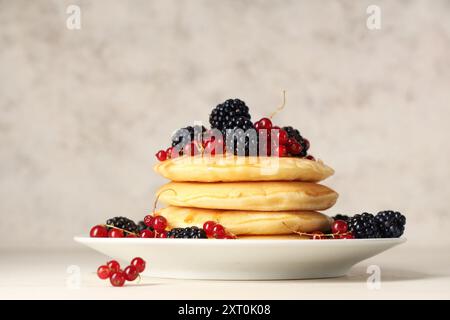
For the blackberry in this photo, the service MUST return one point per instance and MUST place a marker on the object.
(186, 135)
(187, 233)
(341, 217)
(295, 134)
(364, 226)
(230, 114)
(390, 223)
(141, 226)
(122, 223)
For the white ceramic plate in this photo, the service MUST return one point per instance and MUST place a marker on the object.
(242, 259)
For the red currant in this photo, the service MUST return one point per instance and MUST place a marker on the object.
(148, 220)
(282, 137)
(169, 152)
(339, 226)
(99, 232)
(265, 123)
(115, 233)
(131, 235)
(218, 231)
(159, 223)
(161, 155)
(295, 147)
(103, 272)
(162, 234)
(208, 228)
(347, 236)
(210, 148)
(130, 273)
(310, 157)
(113, 265)
(117, 279)
(139, 263)
(281, 151)
(147, 234)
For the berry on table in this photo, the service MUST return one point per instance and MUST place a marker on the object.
(139, 264)
(113, 265)
(117, 279)
(130, 273)
(103, 272)
(99, 231)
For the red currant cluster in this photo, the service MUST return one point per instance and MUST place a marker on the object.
(210, 145)
(158, 224)
(281, 144)
(216, 230)
(339, 230)
(117, 276)
(101, 231)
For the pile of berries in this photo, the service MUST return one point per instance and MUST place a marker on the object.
(385, 224)
(117, 276)
(233, 121)
(156, 227)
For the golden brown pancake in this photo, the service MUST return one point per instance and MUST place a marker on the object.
(258, 196)
(233, 168)
(248, 222)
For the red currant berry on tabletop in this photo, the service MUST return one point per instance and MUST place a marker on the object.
(139, 264)
(130, 273)
(218, 231)
(113, 265)
(117, 279)
(103, 272)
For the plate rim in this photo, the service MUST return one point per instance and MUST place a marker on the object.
(88, 239)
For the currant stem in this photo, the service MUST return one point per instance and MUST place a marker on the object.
(281, 107)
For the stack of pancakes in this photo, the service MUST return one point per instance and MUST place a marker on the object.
(252, 197)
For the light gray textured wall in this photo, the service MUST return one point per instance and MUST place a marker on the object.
(83, 112)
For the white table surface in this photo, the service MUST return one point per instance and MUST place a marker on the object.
(406, 272)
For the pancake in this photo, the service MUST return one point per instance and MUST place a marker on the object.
(248, 222)
(259, 196)
(231, 169)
